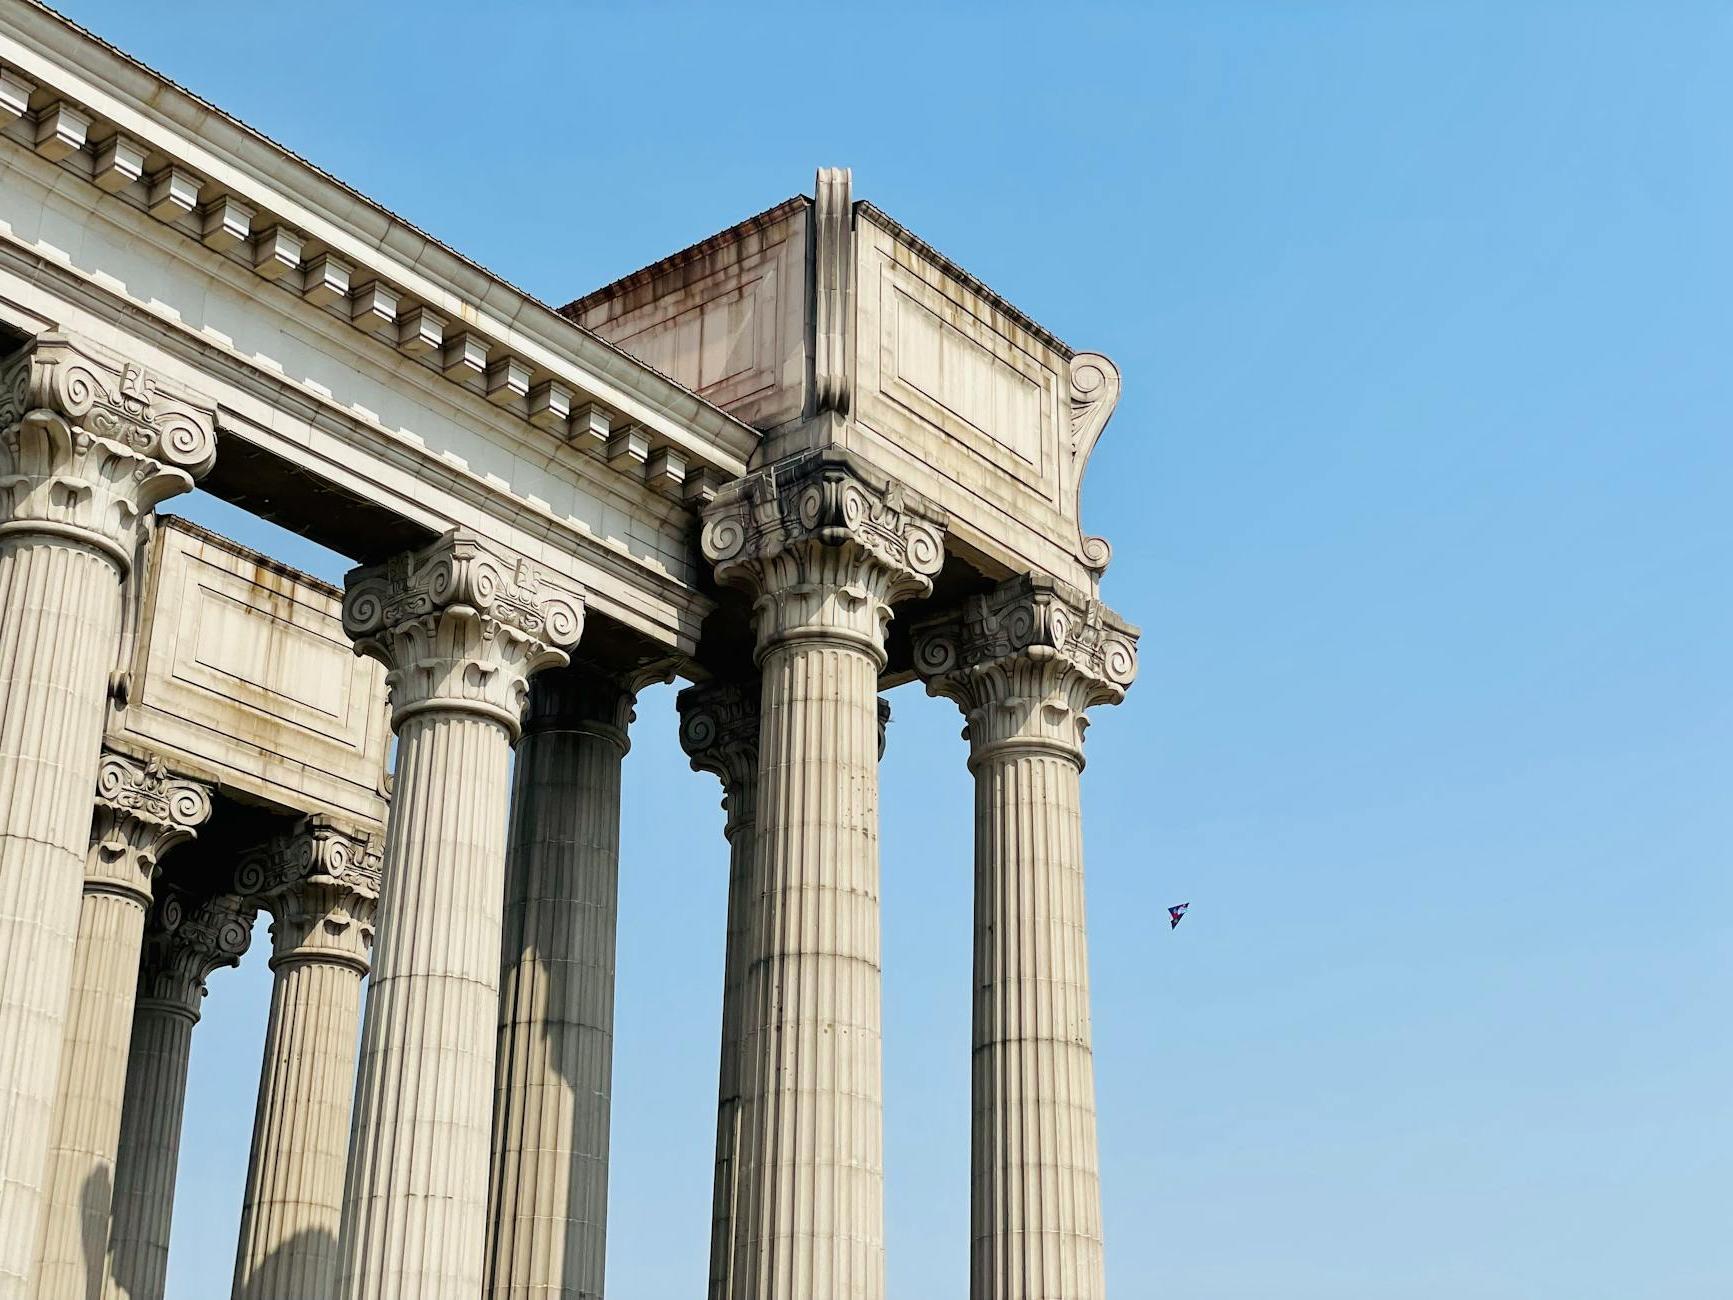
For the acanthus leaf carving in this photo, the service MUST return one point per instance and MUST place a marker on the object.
(719, 732)
(320, 881)
(141, 812)
(88, 446)
(187, 938)
(825, 550)
(1026, 661)
(461, 628)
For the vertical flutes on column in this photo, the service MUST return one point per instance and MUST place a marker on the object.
(548, 1199)
(88, 446)
(320, 883)
(1024, 664)
(186, 939)
(141, 813)
(460, 631)
(826, 552)
(719, 732)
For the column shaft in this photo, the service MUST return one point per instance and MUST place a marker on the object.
(725, 1194)
(92, 1092)
(719, 732)
(89, 445)
(549, 1192)
(1025, 663)
(460, 630)
(150, 1147)
(415, 1211)
(293, 1208)
(185, 940)
(321, 883)
(59, 620)
(140, 813)
(811, 1156)
(826, 549)
(1036, 1202)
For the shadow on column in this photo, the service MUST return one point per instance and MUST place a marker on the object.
(97, 1197)
(309, 1243)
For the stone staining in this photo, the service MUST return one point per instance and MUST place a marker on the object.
(826, 553)
(460, 631)
(141, 813)
(185, 941)
(719, 732)
(86, 449)
(320, 883)
(1024, 664)
(548, 1199)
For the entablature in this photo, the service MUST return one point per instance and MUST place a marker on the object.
(141, 140)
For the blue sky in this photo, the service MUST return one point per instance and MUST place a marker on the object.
(1419, 490)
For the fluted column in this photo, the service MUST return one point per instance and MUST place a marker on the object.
(548, 1197)
(1024, 664)
(320, 883)
(719, 732)
(87, 447)
(185, 941)
(460, 631)
(141, 813)
(826, 553)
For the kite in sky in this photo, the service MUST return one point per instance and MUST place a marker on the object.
(1174, 914)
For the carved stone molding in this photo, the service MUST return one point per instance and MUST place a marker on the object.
(185, 939)
(460, 628)
(825, 550)
(719, 732)
(1094, 394)
(141, 813)
(320, 882)
(1026, 661)
(87, 446)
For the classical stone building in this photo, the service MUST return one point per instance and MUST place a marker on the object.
(797, 465)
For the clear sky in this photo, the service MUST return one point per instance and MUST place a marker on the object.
(1420, 490)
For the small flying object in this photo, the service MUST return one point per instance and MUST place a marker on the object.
(1174, 914)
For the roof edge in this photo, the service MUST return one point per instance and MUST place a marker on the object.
(691, 253)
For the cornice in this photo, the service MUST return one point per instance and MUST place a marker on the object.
(254, 202)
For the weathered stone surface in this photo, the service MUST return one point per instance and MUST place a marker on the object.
(141, 813)
(719, 732)
(825, 551)
(320, 883)
(460, 630)
(1024, 663)
(86, 446)
(240, 671)
(548, 1200)
(185, 941)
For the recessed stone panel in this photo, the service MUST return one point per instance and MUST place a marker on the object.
(240, 673)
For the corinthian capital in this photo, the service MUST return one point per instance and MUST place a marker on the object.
(1026, 661)
(320, 882)
(719, 732)
(88, 445)
(141, 813)
(826, 550)
(459, 628)
(185, 940)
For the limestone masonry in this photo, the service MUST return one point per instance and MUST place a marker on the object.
(801, 463)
